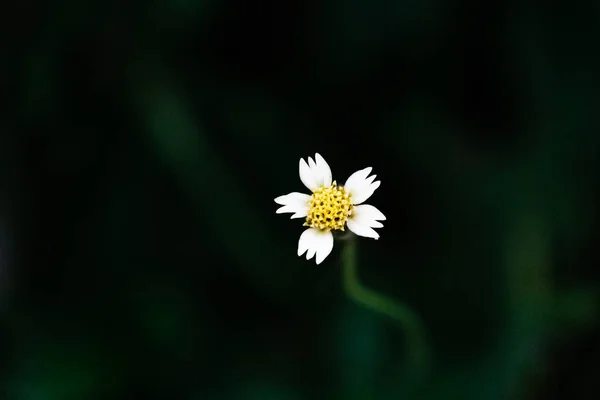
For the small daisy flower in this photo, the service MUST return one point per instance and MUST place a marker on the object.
(331, 207)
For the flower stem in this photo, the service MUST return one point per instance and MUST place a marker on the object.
(417, 347)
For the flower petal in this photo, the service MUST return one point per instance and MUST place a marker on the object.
(296, 203)
(368, 215)
(359, 187)
(315, 174)
(362, 229)
(306, 176)
(314, 171)
(315, 241)
(325, 246)
(359, 175)
(323, 175)
(307, 240)
(312, 250)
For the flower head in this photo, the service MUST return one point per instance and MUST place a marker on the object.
(331, 207)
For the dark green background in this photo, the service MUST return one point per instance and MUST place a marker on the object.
(142, 144)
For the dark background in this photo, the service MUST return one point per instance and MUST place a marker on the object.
(142, 144)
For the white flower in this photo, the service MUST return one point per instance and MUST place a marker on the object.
(331, 207)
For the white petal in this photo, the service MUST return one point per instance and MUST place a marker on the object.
(312, 250)
(315, 241)
(358, 176)
(296, 203)
(359, 187)
(363, 194)
(315, 174)
(323, 175)
(314, 171)
(368, 215)
(325, 246)
(306, 240)
(362, 230)
(306, 176)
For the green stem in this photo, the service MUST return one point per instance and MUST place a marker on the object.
(417, 347)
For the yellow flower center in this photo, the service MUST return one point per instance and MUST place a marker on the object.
(329, 208)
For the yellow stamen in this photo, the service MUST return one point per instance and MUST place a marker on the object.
(329, 208)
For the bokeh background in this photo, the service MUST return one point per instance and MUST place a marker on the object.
(142, 144)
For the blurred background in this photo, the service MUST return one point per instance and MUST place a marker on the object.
(142, 144)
